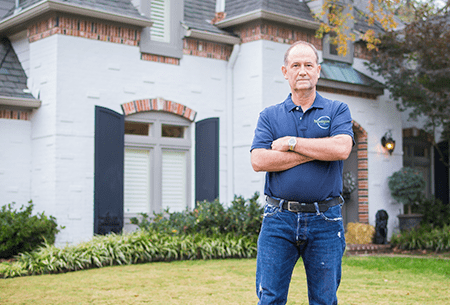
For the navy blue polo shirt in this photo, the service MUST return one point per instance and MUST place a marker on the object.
(310, 181)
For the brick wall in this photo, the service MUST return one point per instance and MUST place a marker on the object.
(83, 28)
(159, 104)
(15, 161)
(363, 173)
(276, 33)
(15, 114)
(207, 49)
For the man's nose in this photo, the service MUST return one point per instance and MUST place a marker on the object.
(302, 70)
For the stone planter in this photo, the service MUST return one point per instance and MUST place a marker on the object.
(409, 221)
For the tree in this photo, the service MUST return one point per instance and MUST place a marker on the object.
(415, 63)
(337, 16)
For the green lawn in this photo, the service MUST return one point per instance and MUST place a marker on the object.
(366, 280)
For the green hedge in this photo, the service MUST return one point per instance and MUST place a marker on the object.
(123, 249)
(424, 237)
(22, 232)
(435, 212)
(242, 218)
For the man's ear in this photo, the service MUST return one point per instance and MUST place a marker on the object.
(320, 69)
(284, 70)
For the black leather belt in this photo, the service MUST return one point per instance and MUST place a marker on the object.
(294, 206)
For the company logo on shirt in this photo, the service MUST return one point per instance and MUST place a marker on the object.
(323, 122)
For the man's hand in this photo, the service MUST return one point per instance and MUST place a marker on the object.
(281, 144)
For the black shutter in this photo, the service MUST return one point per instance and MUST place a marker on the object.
(441, 176)
(207, 160)
(108, 181)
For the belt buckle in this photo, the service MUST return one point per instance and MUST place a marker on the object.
(289, 206)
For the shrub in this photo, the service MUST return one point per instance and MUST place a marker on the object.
(22, 232)
(243, 217)
(406, 186)
(359, 233)
(423, 238)
(435, 213)
(123, 249)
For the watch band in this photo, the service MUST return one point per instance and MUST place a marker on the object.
(292, 142)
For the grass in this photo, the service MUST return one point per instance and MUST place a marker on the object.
(366, 280)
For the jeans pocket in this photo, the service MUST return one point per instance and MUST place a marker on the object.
(270, 210)
(333, 213)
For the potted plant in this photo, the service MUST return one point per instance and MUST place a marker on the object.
(348, 185)
(407, 186)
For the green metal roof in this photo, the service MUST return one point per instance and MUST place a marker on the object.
(345, 73)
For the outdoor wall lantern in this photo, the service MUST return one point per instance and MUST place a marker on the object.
(388, 142)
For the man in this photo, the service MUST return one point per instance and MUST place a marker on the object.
(301, 144)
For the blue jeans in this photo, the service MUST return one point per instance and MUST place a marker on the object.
(285, 237)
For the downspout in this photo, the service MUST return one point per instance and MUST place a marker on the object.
(230, 122)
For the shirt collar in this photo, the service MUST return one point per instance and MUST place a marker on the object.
(319, 102)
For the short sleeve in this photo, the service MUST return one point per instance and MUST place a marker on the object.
(264, 136)
(342, 121)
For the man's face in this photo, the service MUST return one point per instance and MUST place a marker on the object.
(302, 71)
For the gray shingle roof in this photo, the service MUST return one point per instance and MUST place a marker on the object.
(199, 13)
(362, 25)
(6, 6)
(13, 79)
(294, 8)
(123, 7)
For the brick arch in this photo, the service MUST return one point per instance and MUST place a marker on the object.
(363, 172)
(159, 104)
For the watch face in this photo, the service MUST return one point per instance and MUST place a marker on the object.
(292, 141)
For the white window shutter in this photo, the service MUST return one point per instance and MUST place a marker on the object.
(174, 180)
(137, 181)
(160, 15)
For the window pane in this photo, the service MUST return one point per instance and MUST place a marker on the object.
(141, 129)
(420, 151)
(172, 131)
(174, 180)
(333, 49)
(137, 181)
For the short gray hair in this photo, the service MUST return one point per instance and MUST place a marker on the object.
(286, 55)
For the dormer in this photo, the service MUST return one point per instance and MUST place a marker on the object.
(164, 37)
(330, 50)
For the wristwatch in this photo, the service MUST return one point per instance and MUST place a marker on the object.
(292, 142)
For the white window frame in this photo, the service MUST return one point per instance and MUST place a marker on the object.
(157, 144)
(350, 47)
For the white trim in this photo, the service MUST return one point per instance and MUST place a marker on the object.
(262, 14)
(20, 102)
(45, 6)
(191, 33)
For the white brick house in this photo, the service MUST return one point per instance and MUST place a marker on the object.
(211, 60)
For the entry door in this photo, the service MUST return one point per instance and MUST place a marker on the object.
(108, 181)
